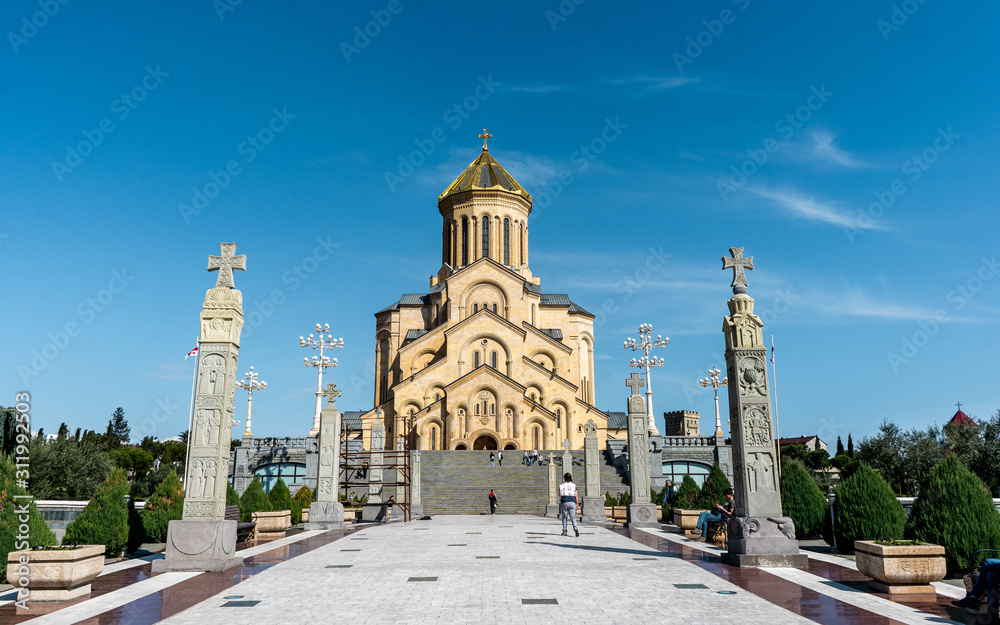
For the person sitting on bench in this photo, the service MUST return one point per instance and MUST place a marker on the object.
(719, 514)
(989, 578)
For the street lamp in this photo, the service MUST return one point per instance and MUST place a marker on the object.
(714, 381)
(646, 343)
(250, 383)
(324, 341)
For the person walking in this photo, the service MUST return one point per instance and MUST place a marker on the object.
(524, 460)
(388, 507)
(493, 502)
(493, 458)
(500, 458)
(568, 500)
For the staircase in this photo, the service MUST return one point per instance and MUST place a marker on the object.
(459, 482)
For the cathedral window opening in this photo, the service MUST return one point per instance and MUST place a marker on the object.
(465, 241)
(520, 247)
(493, 359)
(434, 439)
(475, 359)
(536, 431)
(506, 242)
(437, 396)
(475, 308)
(558, 418)
(494, 307)
(486, 237)
(477, 410)
(493, 409)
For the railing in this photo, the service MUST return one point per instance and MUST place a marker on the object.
(688, 441)
(286, 441)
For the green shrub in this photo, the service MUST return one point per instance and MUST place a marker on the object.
(38, 532)
(711, 490)
(280, 497)
(610, 500)
(955, 510)
(624, 498)
(687, 494)
(166, 504)
(802, 500)
(232, 497)
(866, 509)
(303, 497)
(253, 500)
(105, 519)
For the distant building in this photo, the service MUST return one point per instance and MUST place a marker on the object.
(961, 418)
(808, 441)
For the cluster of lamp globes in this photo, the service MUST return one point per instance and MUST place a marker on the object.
(645, 343)
(323, 341)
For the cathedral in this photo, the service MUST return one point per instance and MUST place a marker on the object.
(484, 358)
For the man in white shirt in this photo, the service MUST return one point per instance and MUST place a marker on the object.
(568, 501)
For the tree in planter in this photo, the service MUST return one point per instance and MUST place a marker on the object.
(802, 500)
(610, 500)
(254, 499)
(165, 505)
(105, 519)
(955, 510)
(687, 494)
(866, 509)
(711, 490)
(303, 497)
(38, 532)
(281, 498)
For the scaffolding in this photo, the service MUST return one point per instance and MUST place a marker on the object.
(395, 463)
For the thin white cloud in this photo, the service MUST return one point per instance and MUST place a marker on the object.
(649, 84)
(813, 210)
(824, 148)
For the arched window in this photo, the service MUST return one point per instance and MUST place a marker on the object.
(558, 417)
(506, 242)
(412, 412)
(477, 410)
(521, 246)
(437, 396)
(475, 359)
(486, 237)
(493, 409)
(434, 438)
(536, 434)
(475, 308)
(465, 240)
(494, 307)
(484, 406)
(493, 359)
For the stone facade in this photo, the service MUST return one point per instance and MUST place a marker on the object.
(681, 423)
(484, 359)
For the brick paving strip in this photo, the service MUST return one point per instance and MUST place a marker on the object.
(828, 578)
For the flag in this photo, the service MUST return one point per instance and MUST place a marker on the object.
(772, 349)
(194, 352)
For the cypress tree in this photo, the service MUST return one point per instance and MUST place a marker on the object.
(866, 509)
(802, 500)
(166, 504)
(711, 490)
(840, 447)
(105, 519)
(253, 500)
(687, 494)
(38, 532)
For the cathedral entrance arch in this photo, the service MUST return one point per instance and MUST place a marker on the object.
(509, 446)
(460, 447)
(485, 442)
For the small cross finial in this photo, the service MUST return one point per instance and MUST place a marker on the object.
(959, 404)
(737, 263)
(635, 382)
(225, 264)
(566, 445)
(484, 137)
(331, 391)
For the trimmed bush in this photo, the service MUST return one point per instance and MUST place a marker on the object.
(105, 519)
(165, 505)
(303, 497)
(711, 490)
(802, 500)
(38, 532)
(955, 510)
(866, 509)
(687, 494)
(610, 500)
(232, 497)
(280, 497)
(253, 500)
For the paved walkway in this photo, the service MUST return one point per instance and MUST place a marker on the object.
(482, 569)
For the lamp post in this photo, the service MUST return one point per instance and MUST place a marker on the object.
(324, 341)
(250, 383)
(714, 381)
(646, 343)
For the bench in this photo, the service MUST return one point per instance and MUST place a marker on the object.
(718, 533)
(245, 531)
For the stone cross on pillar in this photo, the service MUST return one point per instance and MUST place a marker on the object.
(552, 508)
(758, 533)
(326, 512)
(641, 513)
(203, 540)
(373, 509)
(593, 502)
(567, 457)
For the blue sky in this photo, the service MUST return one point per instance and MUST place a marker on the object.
(850, 147)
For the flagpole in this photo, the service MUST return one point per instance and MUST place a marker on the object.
(194, 379)
(774, 378)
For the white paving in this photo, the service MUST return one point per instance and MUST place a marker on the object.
(595, 579)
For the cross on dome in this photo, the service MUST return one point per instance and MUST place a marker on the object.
(225, 264)
(484, 136)
(737, 263)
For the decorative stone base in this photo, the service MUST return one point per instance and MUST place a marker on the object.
(325, 515)
(593, 509)
(373, 513)
(769, 542)
(787, 561)
(552, 510)
(416, 510)
(642, 515)
(199, 546)
(905, 589)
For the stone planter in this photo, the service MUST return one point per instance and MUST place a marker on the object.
(271, 525)
(56, 575)
(686, 519)
(901, 569)
(305, 515)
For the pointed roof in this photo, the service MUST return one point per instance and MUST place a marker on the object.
(961, 418)
(485, 173)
